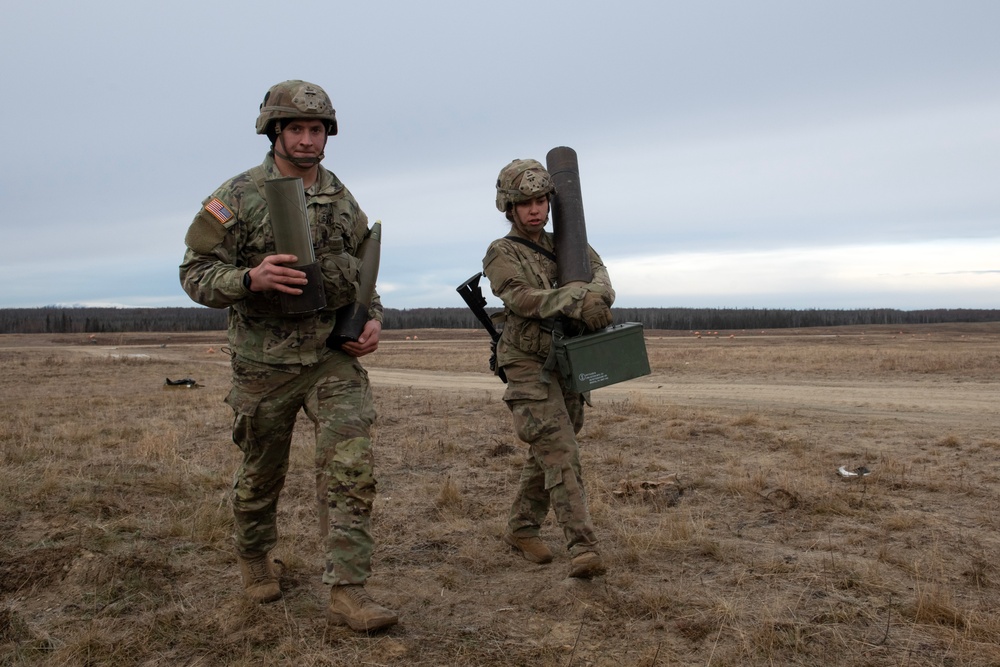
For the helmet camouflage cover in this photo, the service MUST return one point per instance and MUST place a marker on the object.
(520, 181)
(296, 99)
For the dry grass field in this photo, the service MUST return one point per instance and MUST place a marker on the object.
(730, 536)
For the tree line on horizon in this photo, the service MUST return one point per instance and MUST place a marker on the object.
(123, 320)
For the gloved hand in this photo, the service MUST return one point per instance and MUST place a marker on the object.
(595, 313)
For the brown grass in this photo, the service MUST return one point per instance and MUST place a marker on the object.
(115, 522)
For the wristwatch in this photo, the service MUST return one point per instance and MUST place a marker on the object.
(246, 281)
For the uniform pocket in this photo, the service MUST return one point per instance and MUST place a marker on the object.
(553, 477)
(257, 379)
(243, 403)
(523, 383)
(341, 272)
(525, 391)
(523, 334)
(250, 383)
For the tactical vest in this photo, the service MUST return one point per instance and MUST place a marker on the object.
(529, 334)
(330, 219)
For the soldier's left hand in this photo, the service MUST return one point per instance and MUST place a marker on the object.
(367, 342)
(595, 313)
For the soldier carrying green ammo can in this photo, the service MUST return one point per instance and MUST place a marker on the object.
(524, 273)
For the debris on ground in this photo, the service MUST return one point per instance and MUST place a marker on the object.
(186, 383)
(664, 491)
(781, 498)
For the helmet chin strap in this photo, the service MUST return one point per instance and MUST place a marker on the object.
(300, 162)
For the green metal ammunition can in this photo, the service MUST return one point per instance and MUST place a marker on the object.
(602, 358)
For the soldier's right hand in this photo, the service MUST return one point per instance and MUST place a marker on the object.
(595, 313)
(271, 274)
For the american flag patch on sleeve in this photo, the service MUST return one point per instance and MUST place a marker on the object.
(219, 210)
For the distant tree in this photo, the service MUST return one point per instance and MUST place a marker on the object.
(115, 320)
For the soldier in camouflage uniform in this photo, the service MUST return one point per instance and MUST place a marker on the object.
(547, 416)
(281, 363)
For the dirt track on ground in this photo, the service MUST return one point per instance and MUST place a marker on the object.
(915, 400)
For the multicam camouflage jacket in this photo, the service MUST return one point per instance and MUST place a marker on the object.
(232, 233)
(526, 282)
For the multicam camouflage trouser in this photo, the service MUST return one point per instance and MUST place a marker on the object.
(337, 398)
(547, 417)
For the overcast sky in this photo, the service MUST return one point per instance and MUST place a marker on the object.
(762, 154)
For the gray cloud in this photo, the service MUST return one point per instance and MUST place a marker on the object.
(708, 128)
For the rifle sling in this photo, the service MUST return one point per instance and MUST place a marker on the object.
(534, 246)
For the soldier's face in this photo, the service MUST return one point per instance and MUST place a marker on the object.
(304, 138)
(530, 216)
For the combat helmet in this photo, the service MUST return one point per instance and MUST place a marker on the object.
(520, 181)
(294, 99)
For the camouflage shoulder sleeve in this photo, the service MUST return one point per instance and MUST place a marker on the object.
(491, 254)
(210, 225)
(500, 267)
(210, 272)
(236, 199)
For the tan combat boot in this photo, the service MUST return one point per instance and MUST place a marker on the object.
(587, 565)
(352, 606)
(260, 578)
(532, 548)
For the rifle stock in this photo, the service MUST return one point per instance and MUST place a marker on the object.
(472, 294)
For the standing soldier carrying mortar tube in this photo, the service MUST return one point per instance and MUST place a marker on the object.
(280, 357)
(523, 271)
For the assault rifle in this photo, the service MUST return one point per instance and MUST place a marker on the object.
(472, 294)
